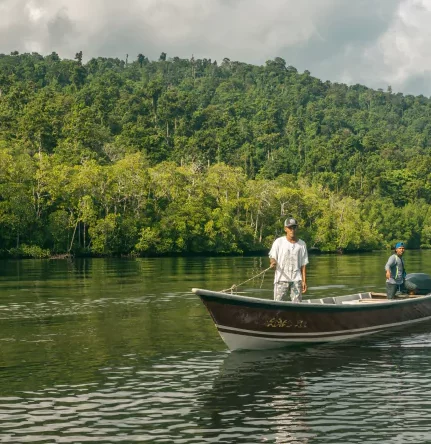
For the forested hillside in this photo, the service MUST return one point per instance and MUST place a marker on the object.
(197, 156)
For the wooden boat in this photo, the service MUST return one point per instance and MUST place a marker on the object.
(253, 323)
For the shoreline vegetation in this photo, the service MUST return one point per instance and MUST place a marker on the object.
(260, 253)
(46, 254)
(192, 156)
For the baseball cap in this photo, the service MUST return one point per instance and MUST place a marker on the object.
(399, 244)
(290, 222)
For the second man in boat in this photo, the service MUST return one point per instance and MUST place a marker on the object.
(395, 272)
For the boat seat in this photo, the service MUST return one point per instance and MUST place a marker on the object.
(327, 300)
(347, 298)
(365, 295)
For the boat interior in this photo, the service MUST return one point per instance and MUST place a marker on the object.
(358, 298)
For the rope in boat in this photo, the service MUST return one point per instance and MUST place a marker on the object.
(232, 289)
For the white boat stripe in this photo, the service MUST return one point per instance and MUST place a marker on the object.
(224, 334)
(242, 342)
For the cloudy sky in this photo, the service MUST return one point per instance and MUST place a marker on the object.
(373, 42)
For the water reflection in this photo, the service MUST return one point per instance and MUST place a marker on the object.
(249, 394)
(271, 390)
(121, 351)
(297, 396)
(364, 391)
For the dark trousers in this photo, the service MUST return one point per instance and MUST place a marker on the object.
(393, 289)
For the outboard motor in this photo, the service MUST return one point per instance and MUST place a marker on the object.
(418, 283)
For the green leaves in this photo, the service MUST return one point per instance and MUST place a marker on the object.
(179, 155)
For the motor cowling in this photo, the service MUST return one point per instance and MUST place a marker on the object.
(418, 283)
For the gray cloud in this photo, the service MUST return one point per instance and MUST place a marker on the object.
(374, 43)
(60, 29)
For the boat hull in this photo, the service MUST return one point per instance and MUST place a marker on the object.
(252, 323)
(240, 341)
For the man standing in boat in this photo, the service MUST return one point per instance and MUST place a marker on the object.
(289, 257)
(395, 272)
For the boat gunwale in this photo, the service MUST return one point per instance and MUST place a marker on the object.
(233, 299)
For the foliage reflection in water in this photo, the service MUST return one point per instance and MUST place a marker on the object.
(121, 351)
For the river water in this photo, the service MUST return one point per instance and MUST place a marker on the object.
(121, 351)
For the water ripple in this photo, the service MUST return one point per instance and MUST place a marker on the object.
(109, 355)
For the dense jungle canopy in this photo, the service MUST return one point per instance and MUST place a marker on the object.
(194, 156)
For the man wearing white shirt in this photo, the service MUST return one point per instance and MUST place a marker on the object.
(289, 257)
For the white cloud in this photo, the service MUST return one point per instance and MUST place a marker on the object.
(405, 47)
(35, 13)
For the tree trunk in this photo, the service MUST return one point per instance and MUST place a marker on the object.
(73, 237)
